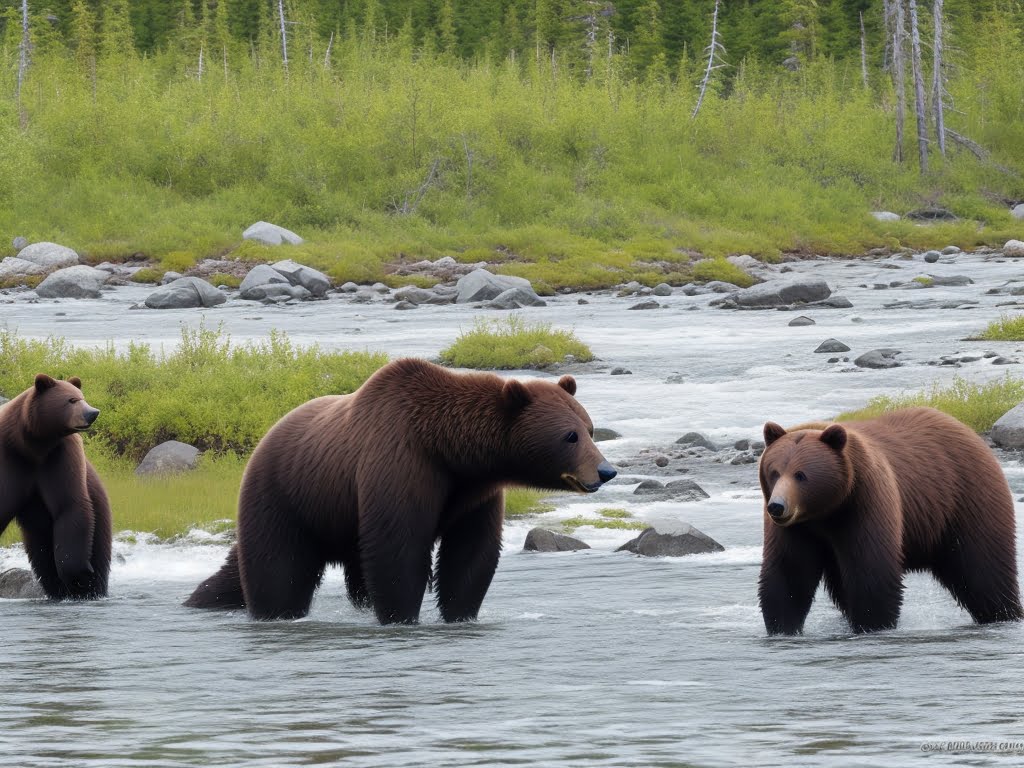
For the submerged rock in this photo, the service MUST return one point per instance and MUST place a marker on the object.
(879, 358)
(543, 540)
(777, 293)
(677, 490)
(516, 298)
(186, 293)
(20, 584)
(796, 322)
(832, 346)
(78, 282)
(671, 539)
(696, 439)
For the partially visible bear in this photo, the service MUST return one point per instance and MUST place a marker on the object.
(372, 480)
(859, 504)
(52, 491)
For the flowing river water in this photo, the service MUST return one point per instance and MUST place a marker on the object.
(592, 658)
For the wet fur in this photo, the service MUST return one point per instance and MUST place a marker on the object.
(52, 491)
(912, 490)
(370, 481)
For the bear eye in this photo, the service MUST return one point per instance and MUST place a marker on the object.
(800, 477)
(572, 437)
(72, 400)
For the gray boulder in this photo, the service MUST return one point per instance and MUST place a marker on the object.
(1013, 248)
(13, 268)
(348, 287)
(258, 276)
(414, 295)
(932, 256)
(542, 540)
(950, 250)
(186, 293)
(777, 293)
(796, 322)
(670, 538)
(696, 440)
(79, 282)
(481, 285)
(662, 289)
(49, 255)
(277, 292)
(885, 215)
(170, 277)
(169, 458)
(1008, 431)
(677, 490)
(515, 298)
(18, 243)
(647, 304)
(314, 281)
(603, 433)
(406, 305)
(879, 358)
(1017, 212)
(831, 346)
(951, 280)
(271, 234)
(20, 584)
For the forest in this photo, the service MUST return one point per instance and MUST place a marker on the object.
(575, 136)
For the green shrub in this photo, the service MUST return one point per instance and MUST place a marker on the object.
(148, 275)
(720, 269)
(573, 523)
(222, 278)
(522, 502)
(511, 343)
(924, 280)
(1006, 328)
(207, 391)
(978, 406)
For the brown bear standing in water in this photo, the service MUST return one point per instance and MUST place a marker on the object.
(52, 491)
(859, 504)
(372, 480)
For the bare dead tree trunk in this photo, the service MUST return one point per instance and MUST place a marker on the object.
(714, 51)
(899, 76)
(199, 71)
(23, 49)
(284, 34)
(937, 84)
(327, 55)
(863, 53)
(922, 117)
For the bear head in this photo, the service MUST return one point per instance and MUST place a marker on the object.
(56, 409)
(805, 474)
(551, 437)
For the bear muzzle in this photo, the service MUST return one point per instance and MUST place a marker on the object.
(780, 511)
(89, 416)
(605, 472)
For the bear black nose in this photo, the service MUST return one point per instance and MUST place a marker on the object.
(606, 471)
(91, 414)
(776, 510)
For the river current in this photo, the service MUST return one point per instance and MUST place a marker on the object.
(591, 658)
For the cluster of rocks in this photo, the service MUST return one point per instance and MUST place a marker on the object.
(784, 294)
(663, 538)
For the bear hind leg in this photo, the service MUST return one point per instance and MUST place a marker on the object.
(279, 574)
(467, 559)
(355, 581)
(221, 591)
(982, 576)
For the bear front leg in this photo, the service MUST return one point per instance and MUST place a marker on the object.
(37, 535)
(71, 510)
(870, 565)
(467, 559)
(791, 569)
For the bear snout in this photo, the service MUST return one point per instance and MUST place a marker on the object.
(606, 471)
(777, 509)
(90, 415)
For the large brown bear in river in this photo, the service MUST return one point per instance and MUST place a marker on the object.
(372, 480)
(860, 503)
(51, 490)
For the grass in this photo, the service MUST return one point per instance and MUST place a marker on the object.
(566, 182)
(579, 521)
(1006, 328)
(513, 343)
(148, 275)
(978, 406)
(207, 391)
(523, 502)
(221, 278)
(924, 280)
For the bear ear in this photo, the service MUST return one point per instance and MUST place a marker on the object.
(772, 432)
(568, 383)
(515, 394)
(834, 437)
(75, 382)
(44, 382)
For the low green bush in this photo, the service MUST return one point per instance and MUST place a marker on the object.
(208, 391)
(222, 278)
(1006, 328)
(148, 275)
(978, 406)
(513, 343)
(579, 521)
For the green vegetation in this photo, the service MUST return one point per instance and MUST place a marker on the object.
(208, 392)
(420, 134)
(1006, 328)
(221, 278)
(978, 406)
(616, 523)
(148, 275)
(924, 280)
(511, 343)
(522, 502)
(614, 514)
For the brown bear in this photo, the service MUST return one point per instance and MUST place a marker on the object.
(372, 480)
(52, 491)
(861, 503)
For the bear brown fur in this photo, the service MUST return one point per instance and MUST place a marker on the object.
(861, 503)
(52, 491)
(370, 481)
